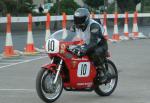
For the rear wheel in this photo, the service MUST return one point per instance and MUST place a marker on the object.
(107, 88)
(45, 88)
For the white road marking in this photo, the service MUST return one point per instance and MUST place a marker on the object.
(6, 63)
(22, 62)
(27, 90)
(12, 60)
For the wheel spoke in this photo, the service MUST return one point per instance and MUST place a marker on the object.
(50, 91)
(106, 88)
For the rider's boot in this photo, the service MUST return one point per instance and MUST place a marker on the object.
(105, 75)
(102, 70)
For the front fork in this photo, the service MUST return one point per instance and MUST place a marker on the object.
(58, 71)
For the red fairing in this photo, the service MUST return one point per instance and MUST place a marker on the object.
(81, 76)
(81, 71)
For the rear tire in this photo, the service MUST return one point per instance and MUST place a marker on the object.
(41, 81)
(100, 89)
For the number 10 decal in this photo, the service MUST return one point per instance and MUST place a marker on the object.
(83, 69)
(52, 46)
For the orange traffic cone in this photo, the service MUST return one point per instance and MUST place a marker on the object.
(135, 26)
(8, 49)
(64, 25)
(115, 36)
(135, 32)
(64, 20)
(48, 33)
(126, 32)
(105, 26)
(30, 49)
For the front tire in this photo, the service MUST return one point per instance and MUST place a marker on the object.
(108, 88)
(45, 88)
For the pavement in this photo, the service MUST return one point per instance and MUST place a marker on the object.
(17, 77)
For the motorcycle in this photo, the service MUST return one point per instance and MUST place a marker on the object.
(70, 72)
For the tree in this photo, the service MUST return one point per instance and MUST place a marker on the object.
(3, 8)
(10, 5)
(127, 5)
(16, 6)
(94, 4)
(25, 6)
(145, 6)
(67, 6)
(137, 1)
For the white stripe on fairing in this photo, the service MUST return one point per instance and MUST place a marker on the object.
(26, 61)
(8, 39)
(30, 38)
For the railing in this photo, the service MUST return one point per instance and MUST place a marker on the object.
(69, 17)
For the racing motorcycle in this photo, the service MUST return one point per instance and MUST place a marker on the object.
(70, 72)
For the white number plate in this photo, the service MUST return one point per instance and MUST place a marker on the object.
(52, 46)
(83, 69)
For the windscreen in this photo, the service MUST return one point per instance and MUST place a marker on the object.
(65, 35)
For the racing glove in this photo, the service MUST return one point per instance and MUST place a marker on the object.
(77, 50)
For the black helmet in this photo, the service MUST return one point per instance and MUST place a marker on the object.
(81, 18)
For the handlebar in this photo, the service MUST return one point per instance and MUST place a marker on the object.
(73, 49)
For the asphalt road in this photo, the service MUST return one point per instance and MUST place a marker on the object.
(17, 77)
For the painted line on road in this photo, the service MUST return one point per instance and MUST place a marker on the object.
(6, 63)
(26, 61)
(12, 60)
(27, 90)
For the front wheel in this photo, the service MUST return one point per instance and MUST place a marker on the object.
(107, 89)
(45, 88)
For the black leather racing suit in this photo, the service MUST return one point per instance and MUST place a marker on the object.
(97, 47)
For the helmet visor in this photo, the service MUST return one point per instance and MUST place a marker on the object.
(79, 20)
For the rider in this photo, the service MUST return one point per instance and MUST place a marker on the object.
(91, 32)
